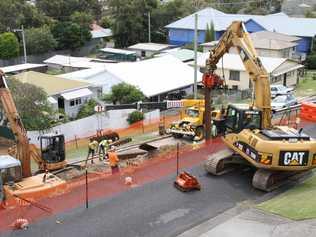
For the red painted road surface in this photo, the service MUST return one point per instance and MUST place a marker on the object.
(105, 185)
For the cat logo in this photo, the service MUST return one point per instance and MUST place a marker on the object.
(294, 158)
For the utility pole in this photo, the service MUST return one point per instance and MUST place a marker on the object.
(149, 30)
(195, 55)
(23, 41)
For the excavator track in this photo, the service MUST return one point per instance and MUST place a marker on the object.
(219, 162)
(268, 180)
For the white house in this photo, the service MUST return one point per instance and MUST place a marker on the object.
(281, 70)
(148, 49)
(156, 77)
(65, 95)
(71, 64)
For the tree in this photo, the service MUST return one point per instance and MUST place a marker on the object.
(210, 33)
(32, 104)
(130, 20)
(87, 109)
(15, 13)
(39, 40)
(124, 93)
(106, 22)
(62, 9)
(311, 61)
(70, 35)
(9, 46)
(82, 18)
(166, 13)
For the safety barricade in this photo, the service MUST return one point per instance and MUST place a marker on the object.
(308, 111)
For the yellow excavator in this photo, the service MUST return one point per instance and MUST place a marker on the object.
(15, 173)
(277, 152)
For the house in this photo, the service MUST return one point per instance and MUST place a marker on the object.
(119, 55)
(70, 64)
(273, 44)
(148, 49)
(281, 70)
(182, 31)
(98, 32)
(64, 95)
(156, 78)
(100, 36)
(268, 44)
(15, 69)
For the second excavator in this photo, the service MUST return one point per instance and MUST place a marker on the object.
(277, 152)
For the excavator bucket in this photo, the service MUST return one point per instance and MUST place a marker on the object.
(186, 182)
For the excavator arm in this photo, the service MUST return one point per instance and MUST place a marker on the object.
(237, 36)
(16, 125)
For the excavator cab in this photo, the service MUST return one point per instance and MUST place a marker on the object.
(53, 148)
(240, 116)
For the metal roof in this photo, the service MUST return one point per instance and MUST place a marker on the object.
(117, 51)
(233, 62)
(52, 85)
(76, 94)
(262, 43)
(101, 33)
(274, 36)
(7, 161)
(274, 22)
(149, 47)
(21, 67)
(184, 54)
(153, 76)
(76, 62)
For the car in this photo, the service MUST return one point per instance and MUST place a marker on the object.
(277, 90)
(283, 101)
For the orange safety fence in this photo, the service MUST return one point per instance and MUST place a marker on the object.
(308, 111)
(103, 184)
(138, 128)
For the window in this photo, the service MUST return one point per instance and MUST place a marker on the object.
(235, 88)
(234, 75)
(75, 102)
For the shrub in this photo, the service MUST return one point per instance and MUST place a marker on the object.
(9, 46)
(87, 109)
(135, 117)
(311, 61)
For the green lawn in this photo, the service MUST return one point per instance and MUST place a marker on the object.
(297, 204)
(307, 85)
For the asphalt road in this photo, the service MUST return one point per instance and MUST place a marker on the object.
(155, 209)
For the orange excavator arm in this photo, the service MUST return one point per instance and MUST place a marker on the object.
(16, 125)
(237, 36)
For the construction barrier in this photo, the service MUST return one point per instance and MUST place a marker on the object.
(308, 111)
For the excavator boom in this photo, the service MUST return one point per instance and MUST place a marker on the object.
(237, 36)
(16, 125)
